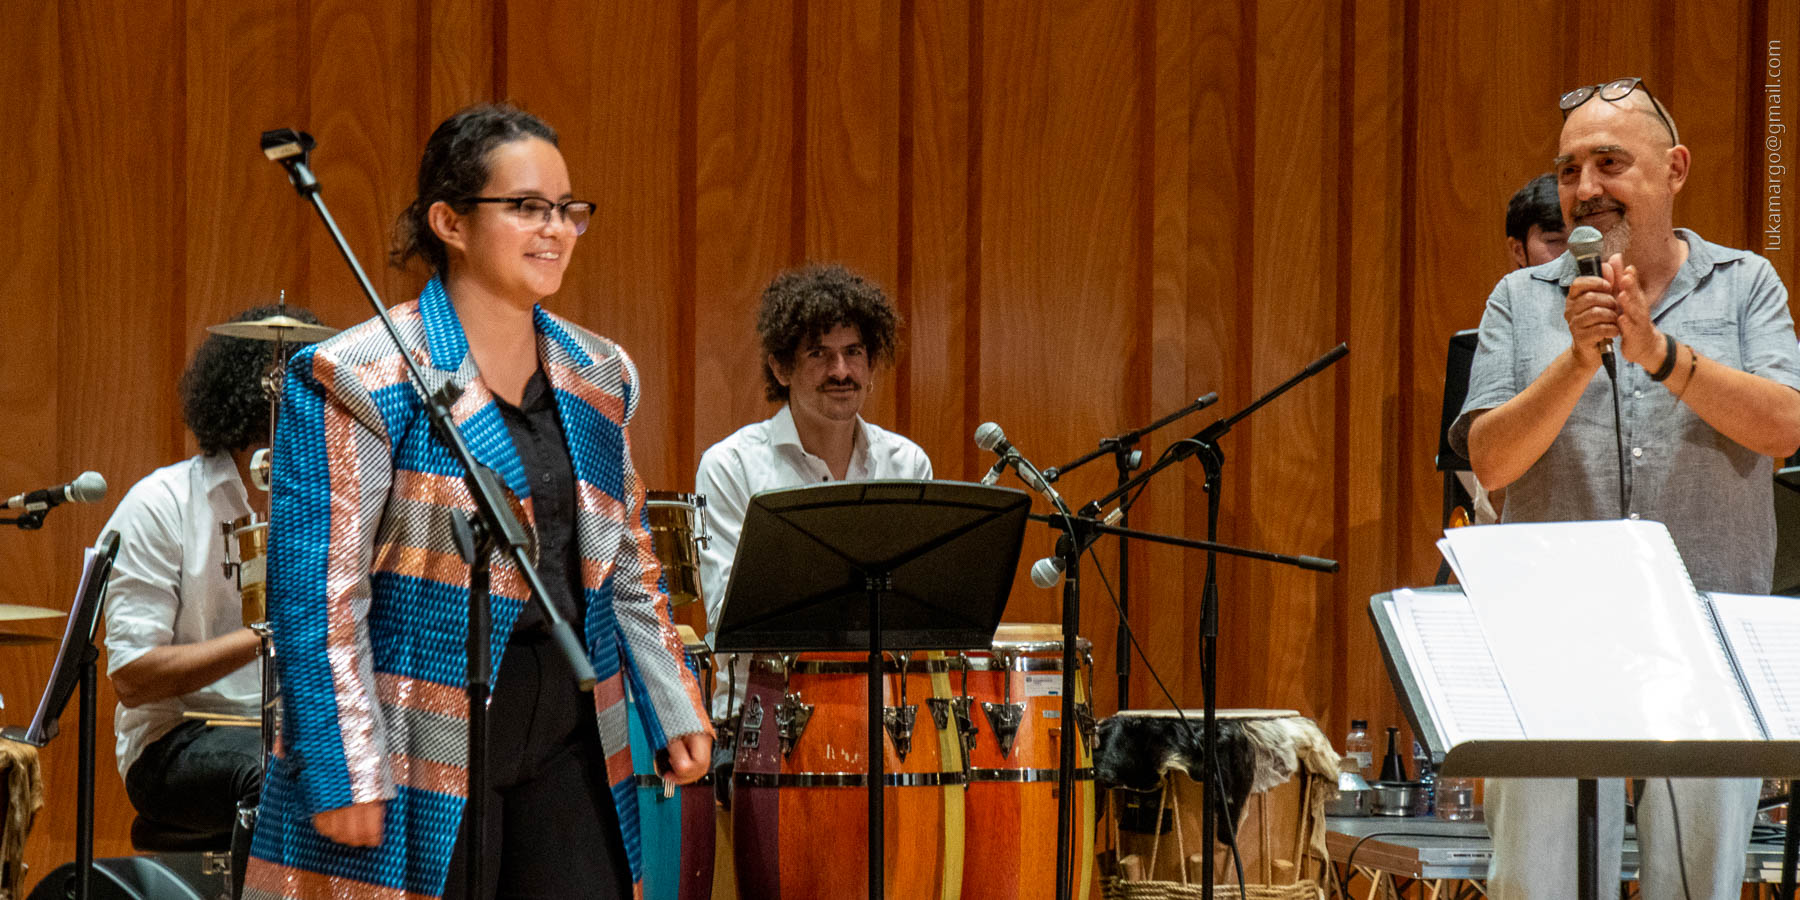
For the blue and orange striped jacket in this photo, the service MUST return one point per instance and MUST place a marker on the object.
(368, 597)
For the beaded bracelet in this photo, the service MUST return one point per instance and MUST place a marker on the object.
(1668, 363)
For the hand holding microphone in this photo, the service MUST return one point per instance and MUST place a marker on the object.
(1584, 245)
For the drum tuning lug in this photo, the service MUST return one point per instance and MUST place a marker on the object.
(1084, 723)
(964, 709)
(791, 717)
(940, 711)
(750, 722)
(899, 721)
(1005, 719)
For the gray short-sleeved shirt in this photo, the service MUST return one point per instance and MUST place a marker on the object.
(1714, 494)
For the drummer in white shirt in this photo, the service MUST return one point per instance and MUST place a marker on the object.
(824, 332)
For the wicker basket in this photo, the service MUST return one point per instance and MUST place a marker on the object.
(1114, 889)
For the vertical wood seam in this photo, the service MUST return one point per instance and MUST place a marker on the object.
(903, 214)
(1406, 455)
(972, 259)
(687, 249)
(797, 189)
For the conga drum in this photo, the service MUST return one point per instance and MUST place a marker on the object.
(676, 827)
(1010, 705)
(800, 793)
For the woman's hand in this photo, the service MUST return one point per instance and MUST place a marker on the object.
(355, 826)
(690, 756)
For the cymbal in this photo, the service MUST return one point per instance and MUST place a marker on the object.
(13, 612)
(285, 328)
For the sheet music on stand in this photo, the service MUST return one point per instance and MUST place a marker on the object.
(1587, 641)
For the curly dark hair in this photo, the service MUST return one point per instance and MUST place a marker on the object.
(802, 304)
(222, 394)
(455, 167)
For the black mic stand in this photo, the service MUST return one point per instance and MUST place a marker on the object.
(493, 526)
(1078, 532)
(1126, 459)
(30, 521)
(1205, 445)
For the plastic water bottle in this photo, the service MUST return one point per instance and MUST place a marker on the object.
(1422, 801)
(1358, 748)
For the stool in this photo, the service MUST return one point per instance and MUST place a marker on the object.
(156, 837)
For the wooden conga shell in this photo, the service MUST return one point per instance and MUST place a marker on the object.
(677, 833)
(800, 819)
(1011, 808)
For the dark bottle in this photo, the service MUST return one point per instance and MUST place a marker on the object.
(1393, 768)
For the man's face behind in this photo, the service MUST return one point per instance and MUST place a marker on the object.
(829, 379)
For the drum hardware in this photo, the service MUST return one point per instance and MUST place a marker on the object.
(940, 711)
(791, 716)
(899, 719)
(750, 727)
(1006, 716)
(274, 328)
(1084, 724)
(677, 535)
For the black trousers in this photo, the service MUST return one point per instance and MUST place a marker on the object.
(551, 829)
(194, 776)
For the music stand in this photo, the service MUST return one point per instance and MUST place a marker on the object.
(876, 565)
(74, 669)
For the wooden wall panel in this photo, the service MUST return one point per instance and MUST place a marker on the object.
(607, 79)
(1371, 509)
(1277, 463)
(243, 220)
(934, 283)
(1090, 211)
(122, 131)
(850, 146)
(365, 106)
(459, 57)
(747, 220)
(1058, 247)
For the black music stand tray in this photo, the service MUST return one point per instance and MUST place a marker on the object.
(875, 565)
(74, 671)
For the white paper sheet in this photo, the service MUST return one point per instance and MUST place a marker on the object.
(1764, 636)
(1444, 645)
(1598, 633)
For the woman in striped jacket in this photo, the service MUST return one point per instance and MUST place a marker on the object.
(369, 598)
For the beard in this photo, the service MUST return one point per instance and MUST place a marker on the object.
(1616, 239)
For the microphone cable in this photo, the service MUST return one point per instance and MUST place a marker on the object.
(1612, 375)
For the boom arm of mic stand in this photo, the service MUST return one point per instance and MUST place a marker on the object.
(490, 504)
(1112, 444)
(1312, 563)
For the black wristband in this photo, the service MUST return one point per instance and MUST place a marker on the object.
(1668, 364)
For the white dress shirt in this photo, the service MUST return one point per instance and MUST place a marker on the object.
(767, 456)
(168, 586)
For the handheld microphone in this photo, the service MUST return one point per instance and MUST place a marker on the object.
(88, 487)
(1584, 243)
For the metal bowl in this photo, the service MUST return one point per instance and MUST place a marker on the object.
(1393, 798)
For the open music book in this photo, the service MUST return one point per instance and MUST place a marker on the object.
(1586, 631)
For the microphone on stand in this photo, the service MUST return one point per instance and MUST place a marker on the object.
(991, 437)
(1048, 572)
(88, 487)
(1584, 244)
